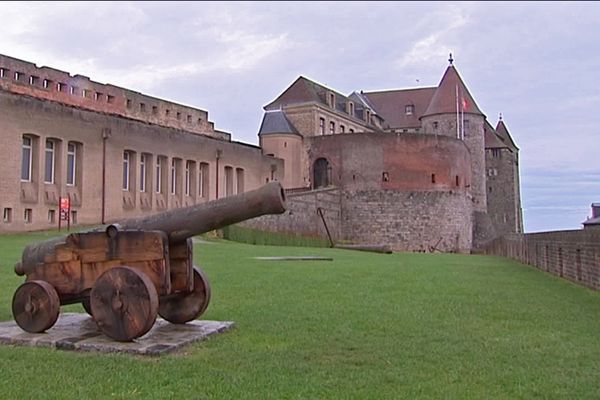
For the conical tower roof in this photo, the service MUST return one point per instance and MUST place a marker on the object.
(502, 131)
(445, 96)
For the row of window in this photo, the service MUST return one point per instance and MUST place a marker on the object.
(342, 128)
(7, 216)
(195, 175)
(84, 93)
(52, 147)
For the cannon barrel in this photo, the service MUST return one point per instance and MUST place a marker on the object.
(182, 223)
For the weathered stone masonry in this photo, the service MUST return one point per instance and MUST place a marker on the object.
(573, 255)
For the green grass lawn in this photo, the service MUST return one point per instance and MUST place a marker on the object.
(364, 326)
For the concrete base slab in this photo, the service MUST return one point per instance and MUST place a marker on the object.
(74, 331)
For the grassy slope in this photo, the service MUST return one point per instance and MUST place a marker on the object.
(362, 326)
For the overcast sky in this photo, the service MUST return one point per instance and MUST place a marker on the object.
(536, 63)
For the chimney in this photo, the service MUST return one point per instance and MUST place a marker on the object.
(595, 210)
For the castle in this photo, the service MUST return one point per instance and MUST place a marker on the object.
(418, 169)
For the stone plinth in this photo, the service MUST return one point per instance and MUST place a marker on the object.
(75, 331)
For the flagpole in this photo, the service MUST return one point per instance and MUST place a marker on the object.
(457, 120)
(462, 119)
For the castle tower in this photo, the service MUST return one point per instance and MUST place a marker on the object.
(502, 170)
(279, 138)
(453, 112)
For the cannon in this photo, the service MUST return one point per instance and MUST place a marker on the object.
(125, 274)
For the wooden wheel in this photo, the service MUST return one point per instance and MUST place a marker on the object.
(87, 306)
(35, 306)
(124, 303)
(184, 307)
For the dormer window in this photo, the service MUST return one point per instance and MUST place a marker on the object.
(331, 100)
(409, 109)
(351, 109)
(368, 116)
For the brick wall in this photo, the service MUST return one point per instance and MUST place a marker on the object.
(26, 78)
(573, 255)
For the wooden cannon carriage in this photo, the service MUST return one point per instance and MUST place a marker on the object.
(127, 273)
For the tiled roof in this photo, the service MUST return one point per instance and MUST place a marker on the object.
(391, 105)
(491, 138)
(303, 90)
(503, 133)
(275, 121)
(444, 99)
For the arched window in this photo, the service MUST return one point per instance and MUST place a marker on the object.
(322, 173)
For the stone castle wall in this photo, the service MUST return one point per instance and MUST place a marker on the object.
(302, 217)
(573, 255)
(409, 221)
(503, 197)
(406, 221)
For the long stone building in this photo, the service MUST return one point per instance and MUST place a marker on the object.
(113, 152)
(417, 169)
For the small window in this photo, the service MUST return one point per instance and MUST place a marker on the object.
(61, 87)
(47, 83)
(73, 217)
(154, 110)
(28, 215)
(7, 215)
(143, 167)
(49, 164)
(126, 169)
(435, 125)
(84, 93)
(18, 76)
(351, 130)
(173, 176)
(496, 153)
(432, 178)
(322, 126)
(167, 112)
(332, 100)
(342, 129)
(409, 109)
(71, 163)
(189, 119)
(332, 127)
(142, 107)
(110, 99)
(178, 115)
(51, 216)
(2, 72)
(26, 159)
(73, 89)
(457, 181)
(33, 80)
(351, 108)
(128, 103)
(97, 96)
(199, 121)
(385, 177)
